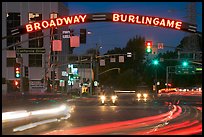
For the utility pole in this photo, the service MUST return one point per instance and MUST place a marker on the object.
(53, 62)
(91, 74)
(167, 76)
(156, 79)
(21, 76)
(97, 60)
(168, 70)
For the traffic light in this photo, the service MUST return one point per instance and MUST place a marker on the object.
(184, 63)
(82, 36)
(148, 45)
(17, 70)
(155, 62)
(53, 75)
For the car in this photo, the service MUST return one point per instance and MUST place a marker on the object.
(143, 94)
(108, 97)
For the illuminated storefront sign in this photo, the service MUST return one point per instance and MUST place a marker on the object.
(147, 20)
(106, 17)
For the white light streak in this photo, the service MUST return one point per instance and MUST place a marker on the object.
(15, 115)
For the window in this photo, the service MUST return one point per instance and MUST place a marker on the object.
(12, 21)
(33, 17)
(3, 80)
(54, 31)
(35, 60)
(53, 15)
(10, 62)
(36, 43)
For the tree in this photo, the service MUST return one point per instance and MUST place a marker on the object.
(131, 73)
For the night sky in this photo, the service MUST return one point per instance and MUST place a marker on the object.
(110, 35)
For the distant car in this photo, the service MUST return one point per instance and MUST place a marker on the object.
(108, 97)
(142, 97)
(144, 94)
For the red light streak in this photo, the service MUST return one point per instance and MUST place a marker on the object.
(186, 127)
(192, 130)
(103, 128)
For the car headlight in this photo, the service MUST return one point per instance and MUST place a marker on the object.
(113, 97)
(145, 95)
(103, 97)
(139, 95)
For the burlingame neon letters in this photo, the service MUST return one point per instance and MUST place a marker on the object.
(146, 20)
(55, 22)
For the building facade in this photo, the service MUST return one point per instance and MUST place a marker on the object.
(39, 65)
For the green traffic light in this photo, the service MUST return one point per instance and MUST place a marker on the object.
(155, 62)
(185, 63)
(17, 75)
(148, 50)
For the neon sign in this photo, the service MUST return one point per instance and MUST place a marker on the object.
(55, 22)
(101, 17)
(147, 20)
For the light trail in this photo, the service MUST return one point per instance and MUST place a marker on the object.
(110, 127)
(154, 125)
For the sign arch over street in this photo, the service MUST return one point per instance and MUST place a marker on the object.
(107, 17)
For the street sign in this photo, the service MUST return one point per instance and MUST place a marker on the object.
(129, 54)
(31, 50)
(66, 34)
(121, 58)
(199, 69)
(185, 70)
(102, 62)
(160, 45)
(62, 83)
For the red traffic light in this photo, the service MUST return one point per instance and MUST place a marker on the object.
(148, 43)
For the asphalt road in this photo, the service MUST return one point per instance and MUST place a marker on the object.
(156, 116)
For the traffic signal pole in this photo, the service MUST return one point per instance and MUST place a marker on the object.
(21, 76)
(156, 79)
(91, 75)
(53, 62)
(167, 73)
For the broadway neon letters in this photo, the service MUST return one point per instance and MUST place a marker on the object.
(55, 22)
